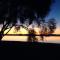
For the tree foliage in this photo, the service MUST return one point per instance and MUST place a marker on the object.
(52, 25)
(10, 10)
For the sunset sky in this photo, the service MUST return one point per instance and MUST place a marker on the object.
(54, 13)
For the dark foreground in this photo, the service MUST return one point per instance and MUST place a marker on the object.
(28, 44)
(31, 49)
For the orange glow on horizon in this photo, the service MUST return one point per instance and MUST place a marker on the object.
(24, 38)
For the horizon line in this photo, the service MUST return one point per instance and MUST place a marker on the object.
(30, 34)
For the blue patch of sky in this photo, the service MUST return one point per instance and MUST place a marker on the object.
(55, 12)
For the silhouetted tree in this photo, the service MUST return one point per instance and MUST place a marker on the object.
(48, 27)
(4, 17)
(32, 37)
(17, 28)
(8, 15)
(40, 8)
(23, 9)
(51, 26)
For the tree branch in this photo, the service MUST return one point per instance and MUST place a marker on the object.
(24, 27)
(8, 31)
